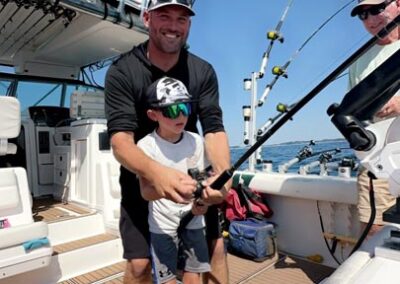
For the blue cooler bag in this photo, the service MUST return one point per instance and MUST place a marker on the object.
(252, 238)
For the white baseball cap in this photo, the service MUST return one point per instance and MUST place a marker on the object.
(155, 4)
(361, 3)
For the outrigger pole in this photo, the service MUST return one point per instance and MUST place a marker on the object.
(228, 173)
(272, 36)
(249, 112)
(279, 71)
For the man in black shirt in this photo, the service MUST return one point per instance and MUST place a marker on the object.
(125, 87)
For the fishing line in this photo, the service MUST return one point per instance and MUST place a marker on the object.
(219, 182)
(279, 71)
(338, 58)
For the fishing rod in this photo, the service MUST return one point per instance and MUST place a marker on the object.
(282, 109)
(307, 153)
(53, 12)
(273, 36)
(17, 28)
(66, 15)
(10, 18)
(249, 112)
(324, 158)
(281, 71)
(219, 182)
(45, 7)
(304, 153)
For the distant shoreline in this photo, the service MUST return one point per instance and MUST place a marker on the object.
(296, 142)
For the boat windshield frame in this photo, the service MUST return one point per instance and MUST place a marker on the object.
(37, 90)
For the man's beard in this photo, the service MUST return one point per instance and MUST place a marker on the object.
(169, 47)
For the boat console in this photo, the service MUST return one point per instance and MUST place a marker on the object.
(94, 176)
(39, 130)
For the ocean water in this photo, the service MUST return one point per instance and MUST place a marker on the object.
(282, 153)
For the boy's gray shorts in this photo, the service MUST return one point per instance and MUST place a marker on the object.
(167, 253)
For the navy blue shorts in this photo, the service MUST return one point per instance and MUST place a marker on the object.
(190, 249)
(134, 228)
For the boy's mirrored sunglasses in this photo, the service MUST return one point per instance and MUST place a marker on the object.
(173, 111)
(373, 10)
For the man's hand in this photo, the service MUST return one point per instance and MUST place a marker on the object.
(391, 108)
(170, 184)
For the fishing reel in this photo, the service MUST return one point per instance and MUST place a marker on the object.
(348, 162)
(282, 108)
(279, 71)
(275, 35)
(325, 157)
(306, 152)
(199, 176)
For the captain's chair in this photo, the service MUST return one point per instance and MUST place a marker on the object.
(10, 120)
(23, 243)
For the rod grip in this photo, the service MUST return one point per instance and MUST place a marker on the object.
(217, 184)
(222, 179)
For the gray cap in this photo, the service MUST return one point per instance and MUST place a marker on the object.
(155, 4)
(167, 91)
(361, 3)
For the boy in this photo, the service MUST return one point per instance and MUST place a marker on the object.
(169, 104)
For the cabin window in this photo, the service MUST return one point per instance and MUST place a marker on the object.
(5, 86)
(39, 94)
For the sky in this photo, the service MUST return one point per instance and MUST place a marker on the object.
(231, 35)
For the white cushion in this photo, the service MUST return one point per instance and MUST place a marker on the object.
(10, 117)
(19, 234)
(15, 180)
(9, 197)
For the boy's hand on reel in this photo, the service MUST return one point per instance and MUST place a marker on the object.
(213, 196)
(199, 207)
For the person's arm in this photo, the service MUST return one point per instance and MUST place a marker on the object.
(391, 108)
(215, 139)
(218, 154)
(161, 181)
(147, 190)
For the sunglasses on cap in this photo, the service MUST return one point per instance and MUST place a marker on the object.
(173, 111)
(373, 10)
(188, 3)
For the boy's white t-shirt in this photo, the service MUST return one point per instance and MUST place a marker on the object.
(164, 214)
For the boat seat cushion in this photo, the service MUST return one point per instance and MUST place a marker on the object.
(19, 234)
(10, 124)
(9, 197)
(17, 207)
